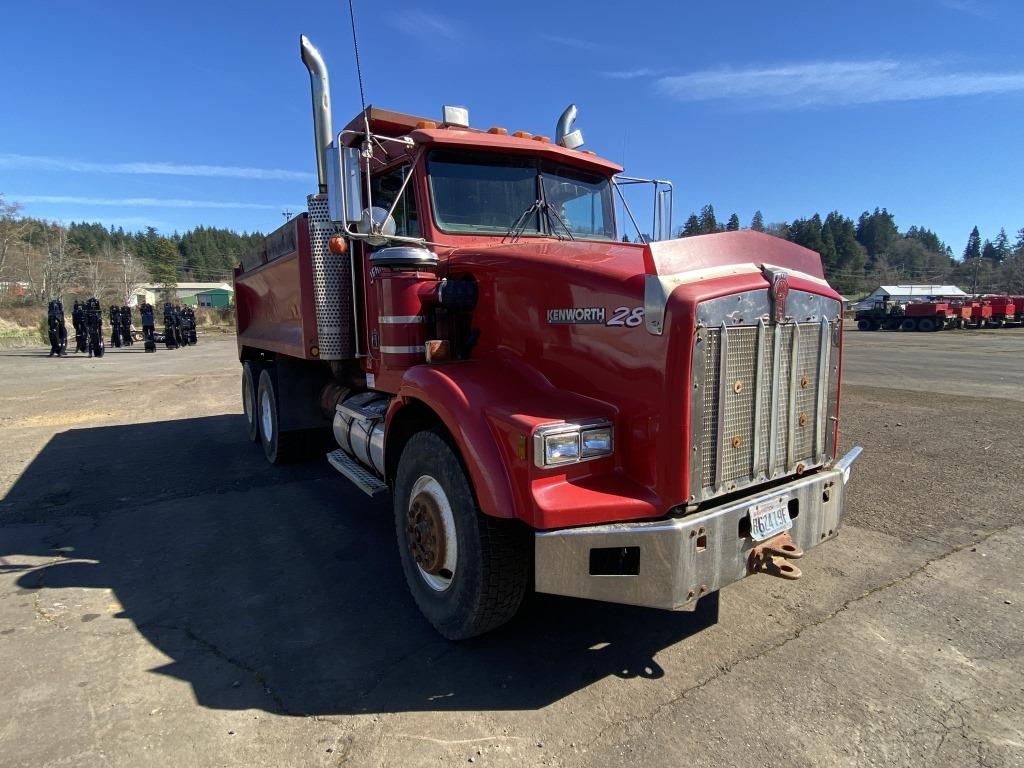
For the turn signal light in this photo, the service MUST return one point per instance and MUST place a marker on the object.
(337, 244)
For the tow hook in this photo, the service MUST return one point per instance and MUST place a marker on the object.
(773, 556)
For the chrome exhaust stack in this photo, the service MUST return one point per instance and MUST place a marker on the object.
(320, 86)
(564, 136)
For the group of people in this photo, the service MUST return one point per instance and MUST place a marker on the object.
(179, 326)
(87, 322)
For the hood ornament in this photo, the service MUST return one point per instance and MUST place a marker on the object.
(778, 292)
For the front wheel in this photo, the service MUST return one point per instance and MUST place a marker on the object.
(863, 325)
(467, 572)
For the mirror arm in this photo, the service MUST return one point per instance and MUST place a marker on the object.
(629, 213)
(405, 183)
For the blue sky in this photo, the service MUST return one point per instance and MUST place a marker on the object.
(185, 113)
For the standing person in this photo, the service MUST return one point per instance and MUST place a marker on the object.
(148, 326)
(170, 338)
(178, 335)
(58, 331)
(94, 326)
(127, 328)
(190, 315)
(78, 323)
(115, 325)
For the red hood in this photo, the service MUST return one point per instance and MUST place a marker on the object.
(625, 260)
(619, 261)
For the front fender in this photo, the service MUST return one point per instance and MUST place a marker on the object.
(491, 410)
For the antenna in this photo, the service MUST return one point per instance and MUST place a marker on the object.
(359, 68)
(286, 213)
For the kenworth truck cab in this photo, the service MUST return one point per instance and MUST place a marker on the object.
(548, 407)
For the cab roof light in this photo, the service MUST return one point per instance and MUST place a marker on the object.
(456, 117)
(426, 124)
(498, 131)
(523, 135)
(542, 139)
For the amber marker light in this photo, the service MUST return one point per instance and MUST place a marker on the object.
(523, 135)
(426, 124)
(542, 139)
(498, 131)
(314, 351)
(337, 244)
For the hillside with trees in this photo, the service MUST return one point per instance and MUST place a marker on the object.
(42, 259)
(860, 255)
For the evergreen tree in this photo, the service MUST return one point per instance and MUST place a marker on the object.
(1019, 245)
(1002, 246)
(988, 251)
(757, 223)
(708, 222)
(691, 227)
(733, 224)
(877, 232)
(973, 249)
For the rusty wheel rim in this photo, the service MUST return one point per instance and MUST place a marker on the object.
(430, 533)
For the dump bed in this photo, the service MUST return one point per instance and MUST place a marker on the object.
(274, 294)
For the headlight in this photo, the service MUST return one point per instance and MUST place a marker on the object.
(568, 443)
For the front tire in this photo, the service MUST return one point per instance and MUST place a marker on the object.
(468, 572)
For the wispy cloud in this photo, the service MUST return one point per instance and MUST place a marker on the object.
(421, 24)
(973, 7)
(48, 163)
(141, 202)
(572, 42)
(631, 74)
(823, 83)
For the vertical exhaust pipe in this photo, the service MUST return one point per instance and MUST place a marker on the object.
(564, 135)
(323, 133)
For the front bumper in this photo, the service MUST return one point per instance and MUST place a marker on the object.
(673, 563)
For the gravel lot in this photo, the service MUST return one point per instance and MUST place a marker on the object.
(167, 598)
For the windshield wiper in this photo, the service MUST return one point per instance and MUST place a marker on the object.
(520, 223)
(548, 213)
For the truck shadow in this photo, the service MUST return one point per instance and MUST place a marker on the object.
(280, 588)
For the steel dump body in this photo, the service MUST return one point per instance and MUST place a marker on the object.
(274, 294)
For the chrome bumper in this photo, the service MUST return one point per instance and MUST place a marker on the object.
(673, 563)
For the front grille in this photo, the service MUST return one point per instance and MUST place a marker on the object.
(763, 403)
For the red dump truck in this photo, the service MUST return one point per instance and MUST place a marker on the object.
(547, 406)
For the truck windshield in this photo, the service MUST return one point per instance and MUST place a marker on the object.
(492, 194)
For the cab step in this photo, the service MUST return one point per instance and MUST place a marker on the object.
(361, 477)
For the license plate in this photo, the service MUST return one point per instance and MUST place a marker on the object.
(769, 518)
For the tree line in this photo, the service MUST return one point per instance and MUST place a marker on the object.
(860, 255)
(42, 259)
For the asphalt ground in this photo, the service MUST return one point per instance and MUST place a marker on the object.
(167, 598)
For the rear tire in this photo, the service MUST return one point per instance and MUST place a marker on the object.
(250, 384)
(279, 447)
(926, 324)
(909, 325)
(468, 572)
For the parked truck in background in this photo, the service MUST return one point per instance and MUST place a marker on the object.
(547, 406)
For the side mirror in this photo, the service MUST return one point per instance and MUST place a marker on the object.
(344, 184)
(377, 225)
